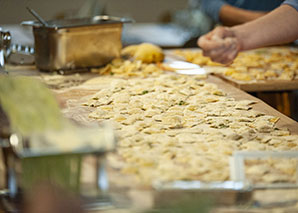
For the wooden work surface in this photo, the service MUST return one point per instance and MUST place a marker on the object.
(71, 100)
(139, 199)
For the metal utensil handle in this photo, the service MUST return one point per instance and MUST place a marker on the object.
(38, 17)
(114, 18)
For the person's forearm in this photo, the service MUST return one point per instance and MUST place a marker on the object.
(278, 27)
(230, 16)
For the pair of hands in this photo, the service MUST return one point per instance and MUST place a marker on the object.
(221, 45)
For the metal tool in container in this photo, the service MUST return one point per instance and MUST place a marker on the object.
(77, 43)
(38, 17)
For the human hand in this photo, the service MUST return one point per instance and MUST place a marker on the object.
(221, 45)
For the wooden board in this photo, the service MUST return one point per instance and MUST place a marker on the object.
(262, 86)
(250, 86)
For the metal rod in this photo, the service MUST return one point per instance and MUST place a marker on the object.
(38, 17)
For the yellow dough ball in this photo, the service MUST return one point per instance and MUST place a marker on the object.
(145, 52)
(129, 50)
(149, 53)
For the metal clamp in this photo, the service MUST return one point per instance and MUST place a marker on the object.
(14, 53)
(20, 55)
(5, 40)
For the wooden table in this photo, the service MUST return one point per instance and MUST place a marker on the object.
(72, 98)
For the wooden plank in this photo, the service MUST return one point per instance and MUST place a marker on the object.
(250, 86)
(262, 86)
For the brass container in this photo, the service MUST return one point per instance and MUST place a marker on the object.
(77, 43)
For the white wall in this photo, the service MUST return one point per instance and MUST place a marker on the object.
(14, 11)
